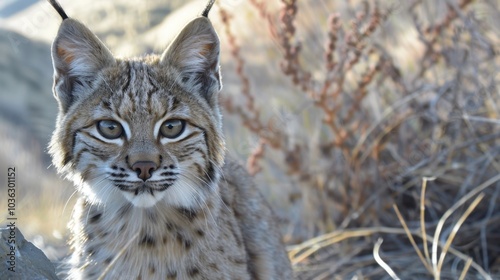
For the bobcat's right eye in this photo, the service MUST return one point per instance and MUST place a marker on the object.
(172, 128)
(110, 129)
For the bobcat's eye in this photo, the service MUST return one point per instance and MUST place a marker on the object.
(172, 128)
(109, 129)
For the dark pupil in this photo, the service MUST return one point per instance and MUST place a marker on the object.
(111, 127)
(170, 126)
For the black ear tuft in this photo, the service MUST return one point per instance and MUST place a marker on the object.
(58, 8)
(207, 8)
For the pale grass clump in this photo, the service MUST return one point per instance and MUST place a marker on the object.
(405, 92)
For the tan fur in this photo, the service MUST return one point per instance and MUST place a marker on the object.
(198, 216)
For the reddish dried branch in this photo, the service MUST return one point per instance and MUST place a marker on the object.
(362, 88)
(253, 162)
(431, 34)
(337, 104)
(330, 63)
(249, 114)
(235, 52)
(290, 65)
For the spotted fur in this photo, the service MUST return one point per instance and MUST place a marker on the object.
(154, 206)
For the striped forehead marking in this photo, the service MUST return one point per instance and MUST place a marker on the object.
(140, 79)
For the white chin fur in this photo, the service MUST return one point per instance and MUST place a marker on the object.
(184, 194)
(145, 199)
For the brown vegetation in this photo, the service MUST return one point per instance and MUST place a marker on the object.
(407, 149)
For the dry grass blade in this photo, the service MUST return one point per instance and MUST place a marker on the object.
(451, 210)
(302, 251)
(481, 119)
(422, 219)
(454, 232)
(338, 236)
(410, 237)
(466, 269)
(381, 262)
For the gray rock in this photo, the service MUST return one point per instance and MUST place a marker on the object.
(27, 261)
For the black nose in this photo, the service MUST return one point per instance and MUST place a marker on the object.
(144, 169)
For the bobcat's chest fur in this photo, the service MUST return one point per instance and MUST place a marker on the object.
(164, 243)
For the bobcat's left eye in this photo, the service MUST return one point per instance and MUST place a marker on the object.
(172, 128)
(110, 129)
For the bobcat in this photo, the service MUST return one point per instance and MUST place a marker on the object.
(142, 140)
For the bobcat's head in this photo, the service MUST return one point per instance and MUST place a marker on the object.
(145, 131)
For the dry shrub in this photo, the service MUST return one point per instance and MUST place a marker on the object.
(407, 149)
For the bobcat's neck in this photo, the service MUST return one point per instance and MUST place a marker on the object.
(125, 219)
(167, 235)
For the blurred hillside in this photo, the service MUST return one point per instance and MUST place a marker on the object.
(341, 108)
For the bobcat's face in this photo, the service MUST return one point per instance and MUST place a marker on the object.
(146, 131)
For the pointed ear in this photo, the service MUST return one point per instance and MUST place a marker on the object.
(194, 53)
(77, 55)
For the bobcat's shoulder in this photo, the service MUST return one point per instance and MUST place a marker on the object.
(256, 220)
